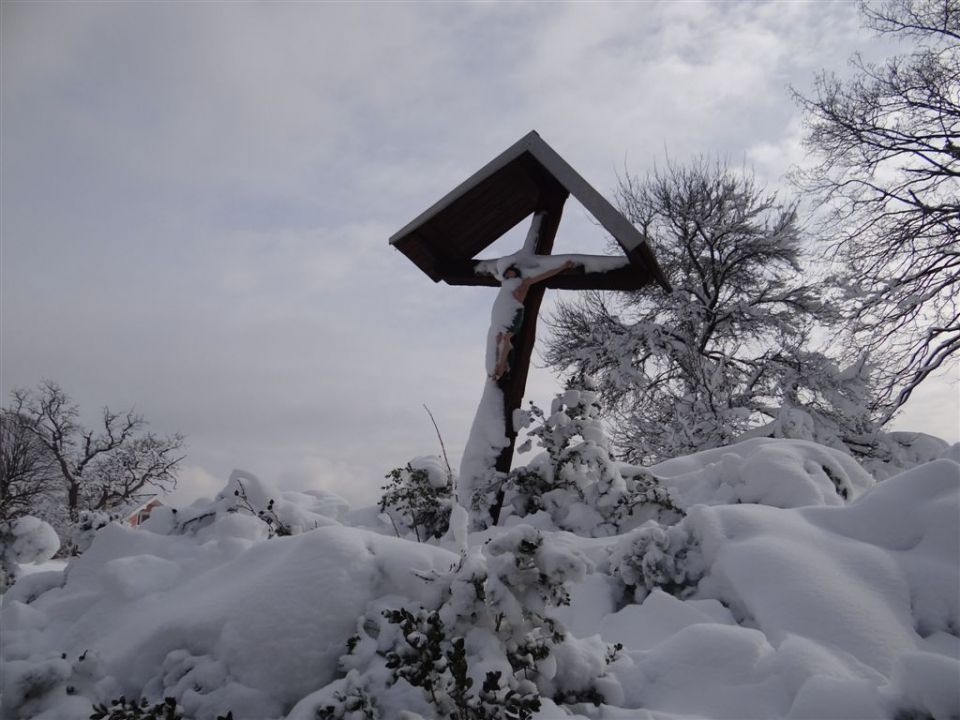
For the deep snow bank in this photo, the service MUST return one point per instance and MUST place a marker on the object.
(782, 473)
(793, 588)
(221, 619)
(819, 612)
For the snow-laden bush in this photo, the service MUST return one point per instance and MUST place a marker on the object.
(575, 480)
(79, 533)
(653, 556)
(25, 539)
(27, 683)
(246, 495)
(486, 650)
(58, 679)
(349, 699)
(418, 498)
(143, 709)
(883, 454)
(779, 473)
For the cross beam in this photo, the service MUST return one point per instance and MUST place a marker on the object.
(622, 276)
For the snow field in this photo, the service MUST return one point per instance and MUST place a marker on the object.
(761, 602)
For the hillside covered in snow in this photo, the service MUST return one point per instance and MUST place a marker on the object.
(768, 579)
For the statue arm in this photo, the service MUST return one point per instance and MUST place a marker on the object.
(546, 274)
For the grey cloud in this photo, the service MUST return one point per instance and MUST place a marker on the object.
(197, 197)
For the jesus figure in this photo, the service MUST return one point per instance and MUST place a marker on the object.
(507, 315)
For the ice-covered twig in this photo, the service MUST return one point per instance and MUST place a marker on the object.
(443, 448)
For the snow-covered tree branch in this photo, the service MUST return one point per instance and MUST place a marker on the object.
(889, 163)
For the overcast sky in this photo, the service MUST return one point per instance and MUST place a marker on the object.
(196, 198)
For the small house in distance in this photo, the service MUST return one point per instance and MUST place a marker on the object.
(140, 514)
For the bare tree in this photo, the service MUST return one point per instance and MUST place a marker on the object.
(27, 470)
(97, 470)
(888, 143)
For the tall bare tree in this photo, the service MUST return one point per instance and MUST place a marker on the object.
(888, 143)
(97, 469)
(27, 469)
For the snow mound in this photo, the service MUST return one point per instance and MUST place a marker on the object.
(24, 540)
(773, 596)
(30, 540)
(781, 473)
(900, 450)
(818, 612)
(216, 618)
(437, 472)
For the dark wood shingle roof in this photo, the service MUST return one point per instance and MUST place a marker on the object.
(528, 176)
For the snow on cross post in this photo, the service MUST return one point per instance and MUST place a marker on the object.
(529, 178)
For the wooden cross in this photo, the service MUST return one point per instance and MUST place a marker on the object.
(529, 178)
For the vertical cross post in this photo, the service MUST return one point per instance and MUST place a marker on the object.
(514, 383)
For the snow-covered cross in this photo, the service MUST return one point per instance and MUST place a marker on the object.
(529, 178)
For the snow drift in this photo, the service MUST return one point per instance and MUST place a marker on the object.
(791, 587)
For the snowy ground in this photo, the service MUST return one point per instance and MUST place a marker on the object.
(47, 566)
(794, 586)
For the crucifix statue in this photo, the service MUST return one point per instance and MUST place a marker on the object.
(529, 178)
(514, 287)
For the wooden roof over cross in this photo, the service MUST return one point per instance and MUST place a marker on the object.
(529, 176)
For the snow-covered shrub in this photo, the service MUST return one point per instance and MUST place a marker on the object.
(69, 537)
(408, 658)
(893, 452)
(27, 685)
(32, 687)
(780, 473)
(25, 539)
(79, 533)
(430, 659)
(418, 498)
(266, 513)
(485, 650)
(142, 709)
(202, 687)
(575, 479)
(534, 574)
(351, 701)
(828, 406)
(653, 556)
(279, 513)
